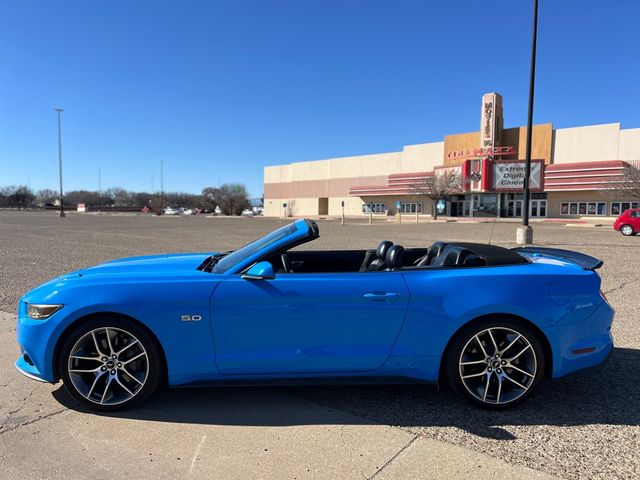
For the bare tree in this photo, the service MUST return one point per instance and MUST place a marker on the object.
(232, 198)
(628, 186)
(16, 197)
(441, 185)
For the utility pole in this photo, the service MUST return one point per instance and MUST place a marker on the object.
(59, 110)
(524, 235)
(161, 186)
(99, 189)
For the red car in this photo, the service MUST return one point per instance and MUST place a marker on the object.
(629, 222)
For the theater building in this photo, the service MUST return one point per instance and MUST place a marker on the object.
(571, 171)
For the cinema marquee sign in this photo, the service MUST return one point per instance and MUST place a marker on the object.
(482, 152)
(509, 176)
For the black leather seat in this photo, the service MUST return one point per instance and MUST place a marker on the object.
(450, 256)
(394, 258)
(378, 263)
(432, 252)
(474, 261)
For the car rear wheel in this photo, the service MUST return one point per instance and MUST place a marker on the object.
(110, 364)
(627, 230)
(495, 365)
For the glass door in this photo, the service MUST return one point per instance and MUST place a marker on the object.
(538, 208)
(514, 208)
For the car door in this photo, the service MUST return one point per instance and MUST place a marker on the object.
(307, 323)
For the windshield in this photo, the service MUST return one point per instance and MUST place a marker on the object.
(228, 261)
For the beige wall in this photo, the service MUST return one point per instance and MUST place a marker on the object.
(421, 158)
(587, 144)
(277, 173)
(300, 184)
(629, 149)
(364, 165)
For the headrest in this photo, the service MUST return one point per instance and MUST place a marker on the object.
(394, 256)
(383, 248)
(432, 252)
(436, 248)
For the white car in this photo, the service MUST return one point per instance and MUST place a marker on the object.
(170, 211)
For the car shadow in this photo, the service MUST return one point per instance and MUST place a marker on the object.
(608, 396)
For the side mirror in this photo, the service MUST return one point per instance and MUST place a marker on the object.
(260, 271)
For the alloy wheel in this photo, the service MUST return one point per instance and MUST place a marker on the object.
(498, 365)
(108, 366)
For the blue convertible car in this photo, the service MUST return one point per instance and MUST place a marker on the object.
(490, 321)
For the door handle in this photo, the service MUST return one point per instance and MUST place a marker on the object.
(381, 296)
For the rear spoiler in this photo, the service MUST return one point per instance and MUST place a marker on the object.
(585, 261)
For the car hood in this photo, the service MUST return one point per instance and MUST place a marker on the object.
(125, 271)
(156, 264)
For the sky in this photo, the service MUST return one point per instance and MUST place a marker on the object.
(219, 89)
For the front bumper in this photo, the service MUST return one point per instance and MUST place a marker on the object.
(29, 371)
(37, 340)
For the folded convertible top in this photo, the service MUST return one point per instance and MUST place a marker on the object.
(493, 255)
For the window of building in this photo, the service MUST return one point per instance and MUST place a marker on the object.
(617, 208)
(411, 207)
(583, 208)
(374, 208)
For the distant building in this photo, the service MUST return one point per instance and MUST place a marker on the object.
(571, 166)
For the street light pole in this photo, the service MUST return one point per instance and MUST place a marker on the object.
(99, 189)
(161, 187)
(58, 111)
(524, 235)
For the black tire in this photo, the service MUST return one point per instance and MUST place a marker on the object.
(501, 375)
(627, 230)
(134, 380)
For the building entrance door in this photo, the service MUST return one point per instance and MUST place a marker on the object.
(462, 208)
(538, 208)
(514, 208)
(323, 206)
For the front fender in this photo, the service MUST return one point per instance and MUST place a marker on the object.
(159, 306)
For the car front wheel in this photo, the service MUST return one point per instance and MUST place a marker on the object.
(627, 230)
(496, 365)
(110, 364)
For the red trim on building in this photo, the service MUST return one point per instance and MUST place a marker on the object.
(466, 172)
(487, 170)
(556, 178)
(397, 184)
(583, 175)
(581, 166)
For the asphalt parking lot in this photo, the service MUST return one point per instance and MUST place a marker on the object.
(583, 427)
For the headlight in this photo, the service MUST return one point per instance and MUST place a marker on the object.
(40, 311)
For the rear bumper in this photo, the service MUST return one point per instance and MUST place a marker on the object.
(586, 345)
(589, 370)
